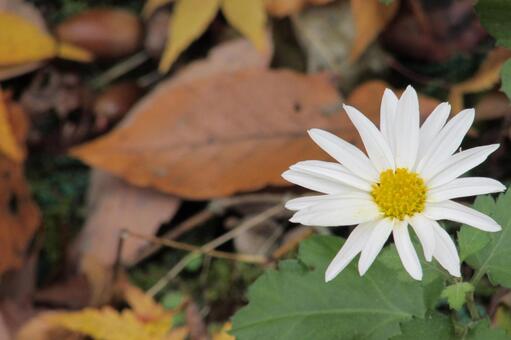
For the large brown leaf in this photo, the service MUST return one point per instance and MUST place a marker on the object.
(19, 215)
(214, 136)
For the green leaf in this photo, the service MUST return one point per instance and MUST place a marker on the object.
(294, 304)
(506, 78)
(482, 331)
(433, 327)
(494, 16)
(387, 2)
(456, 294)
(470, 239)
(493, 259)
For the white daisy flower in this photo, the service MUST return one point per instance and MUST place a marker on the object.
(409, 177)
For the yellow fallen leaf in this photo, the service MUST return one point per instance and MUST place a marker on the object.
(75, 53)
(108, 324)
(189, 20)
(486, 76)
(223, 333)
(8, 143)
(22, 42)
(248, 17)
(371, 17)
(142, 304)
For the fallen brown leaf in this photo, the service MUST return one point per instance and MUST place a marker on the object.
(366, 98)
(485, 78)
(494, 105)
(371, 17)
(19, 214)
(115, 205)
(215, 136)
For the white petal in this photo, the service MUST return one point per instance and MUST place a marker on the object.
(315, 182)
(339, 212)
(406, 129)
(445, 250)
(347, 154)
(457, 165)
(374, 244)
(463, 187)
(449, 210)
(422, 227)
(377, 148)
(308, 201)
(432, 126)
(387, 116)
(349, 250)
(406, 251)
(332, 171)
(446, 142)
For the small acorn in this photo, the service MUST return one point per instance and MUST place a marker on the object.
(106, 32)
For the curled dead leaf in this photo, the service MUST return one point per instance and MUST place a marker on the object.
(485, 78)
(371, 17)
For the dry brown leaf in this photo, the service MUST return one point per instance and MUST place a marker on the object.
(366, 98)
(219, 135)
(19, 214)
(485, 78)
(494, 105)
(115, 205)
(371, 17)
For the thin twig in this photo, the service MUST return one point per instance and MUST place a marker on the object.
(243, 227)
(120, 69)
(198, 250)
(214, 208)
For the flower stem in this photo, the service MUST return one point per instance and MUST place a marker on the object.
(471, 306)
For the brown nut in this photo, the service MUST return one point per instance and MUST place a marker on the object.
(106, 32)
(111, 105)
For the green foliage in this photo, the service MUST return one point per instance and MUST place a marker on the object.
(493, 258)
(506, 78)
(482, 331)
(494, 16)
(296, 303)
(456, 294)
(387, 2)
(432, 327)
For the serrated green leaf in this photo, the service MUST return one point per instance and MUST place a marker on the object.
(482, 331)
(494, 16)
(506, 79)
(493, 259)
(294, 305)
(432, 327)
(470, 239)
(456, 294)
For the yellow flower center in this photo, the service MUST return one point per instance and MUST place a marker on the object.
(399, 193)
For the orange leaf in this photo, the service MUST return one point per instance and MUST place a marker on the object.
(214, 136)
(9, 145)
(371, 17)
(223, 333)
(485, 78)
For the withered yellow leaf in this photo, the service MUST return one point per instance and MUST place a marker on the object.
(223, 334)
(486, 76)
(22, 42)
(25, 43)
(189, 20)
(248, 17)
(108, 324)
(371, 17)
(75, 53)
(9, 146)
